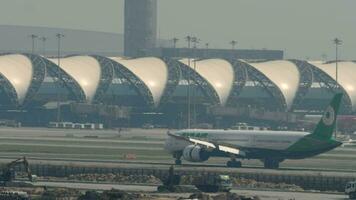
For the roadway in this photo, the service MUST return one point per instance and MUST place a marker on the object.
(263, 194)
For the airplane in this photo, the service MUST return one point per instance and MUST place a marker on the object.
(271, 147)
(349, 142)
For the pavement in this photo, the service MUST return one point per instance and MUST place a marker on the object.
(279, 195)
(146, 144)
(264, 195)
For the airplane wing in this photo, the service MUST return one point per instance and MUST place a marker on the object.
(211, 145)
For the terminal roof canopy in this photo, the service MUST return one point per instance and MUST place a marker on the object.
(85, 70)
(18, 70)
(284, 74)
(218, 73)
(346, 76)
(153, 72)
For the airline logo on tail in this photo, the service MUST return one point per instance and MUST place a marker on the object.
(321, 138)
(324, 129)
(329, 116)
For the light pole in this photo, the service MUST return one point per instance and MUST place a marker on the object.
(195, 42)
(337, 43)
(59, 37)
(206, 49)
(43, 39)
(175, 41)
(33, 38)
(189, 40)
(233, 44)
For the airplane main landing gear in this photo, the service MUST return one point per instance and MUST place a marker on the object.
(271, 163)
(178, 162)
(233, 163)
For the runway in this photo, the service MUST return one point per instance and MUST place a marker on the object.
(110, 149)
(145, 144)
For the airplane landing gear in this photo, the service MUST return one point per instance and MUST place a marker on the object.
(233, 164)
(178, 157)
(178, 162)
(271, 163)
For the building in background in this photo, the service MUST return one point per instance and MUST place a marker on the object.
(140, 27)
(229, 54)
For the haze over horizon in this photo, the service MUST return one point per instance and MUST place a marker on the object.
(304, 29)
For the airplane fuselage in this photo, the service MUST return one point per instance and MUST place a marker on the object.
(258, 144)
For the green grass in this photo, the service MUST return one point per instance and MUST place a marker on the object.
(83, 142)
(73, 150)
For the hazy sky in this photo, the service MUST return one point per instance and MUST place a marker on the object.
(304, 28)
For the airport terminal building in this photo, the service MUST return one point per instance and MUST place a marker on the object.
(119, 91)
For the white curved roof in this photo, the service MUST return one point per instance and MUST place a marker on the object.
(85, 70)
(218, 72)
(284, 74)
(152, 71)
(18, 70)
(346, 76)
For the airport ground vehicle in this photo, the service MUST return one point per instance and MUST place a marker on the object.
(271, 147)
(350, 189)
(8, 171)
(215, 183)
(212, 183)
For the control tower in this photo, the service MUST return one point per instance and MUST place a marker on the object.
(140, 27)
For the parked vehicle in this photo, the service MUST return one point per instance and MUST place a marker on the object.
(350, 189)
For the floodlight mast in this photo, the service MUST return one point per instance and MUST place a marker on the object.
(233, 44)
(59, 39)
(43, 39)
(195, 42)
(175, 41)
(337, 43)
(206, 49)
(33, 39)
(189, 40)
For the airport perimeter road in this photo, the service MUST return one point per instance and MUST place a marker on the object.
(146, 145)
(92, 186)
(277, 195)
(264, 195)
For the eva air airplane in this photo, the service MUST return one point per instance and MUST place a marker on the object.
(271, 147)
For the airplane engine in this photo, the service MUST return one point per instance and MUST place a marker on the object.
(195, 153)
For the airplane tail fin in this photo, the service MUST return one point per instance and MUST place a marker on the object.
(325, 128)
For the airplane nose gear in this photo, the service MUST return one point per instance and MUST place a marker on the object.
(178, 157)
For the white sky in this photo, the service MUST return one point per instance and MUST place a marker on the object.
(304, 28)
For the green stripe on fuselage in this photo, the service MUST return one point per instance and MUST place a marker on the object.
(310, 146)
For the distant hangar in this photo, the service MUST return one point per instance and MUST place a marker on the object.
(87, 78)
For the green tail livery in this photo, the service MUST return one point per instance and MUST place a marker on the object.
(322, 137)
